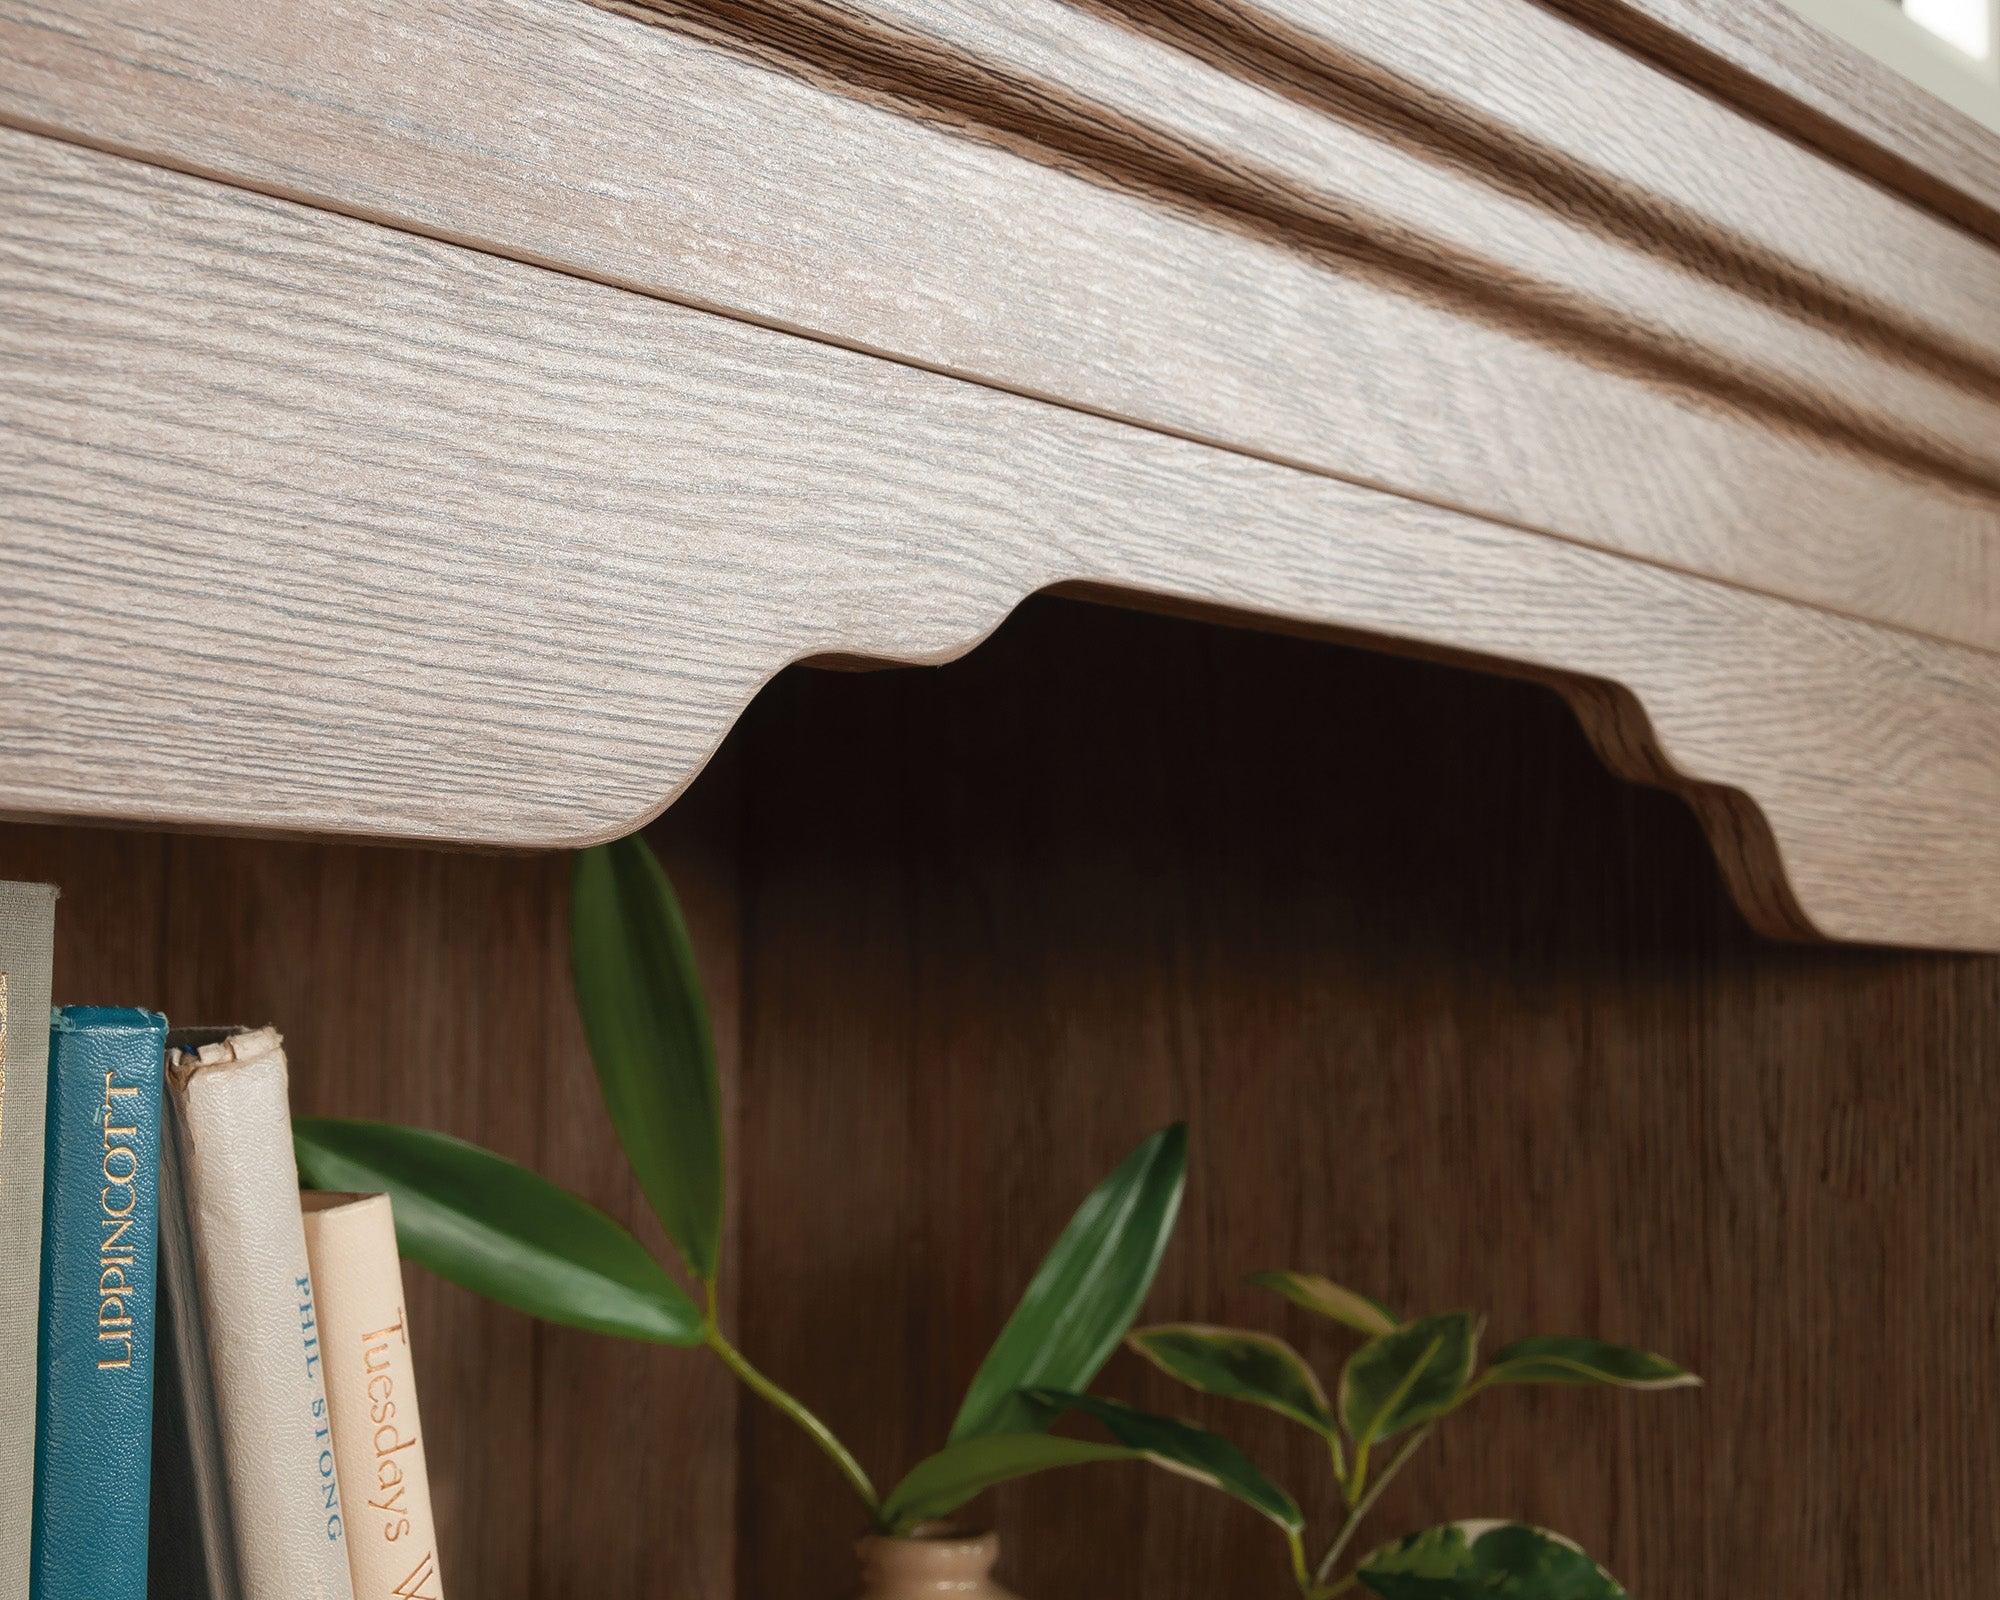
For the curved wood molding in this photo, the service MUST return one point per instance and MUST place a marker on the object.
(1765, 57)
(311, 524)
(1462, 250)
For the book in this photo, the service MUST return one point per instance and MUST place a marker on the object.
(371, 1387)
(258, 1308)
(27, 943)
(100, 1244)
(191, 1544)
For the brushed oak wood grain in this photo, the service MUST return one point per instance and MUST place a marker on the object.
(1769, 60)
(418, 542)
(1505, 268)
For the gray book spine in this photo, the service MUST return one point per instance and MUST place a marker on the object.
(27, 941)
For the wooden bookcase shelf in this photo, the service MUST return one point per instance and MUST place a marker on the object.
(441, 430)
(1443, 561)
(1449, 1009)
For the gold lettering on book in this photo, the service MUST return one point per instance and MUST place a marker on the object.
(118, 1199)
(421, 1584)
(379, 1362)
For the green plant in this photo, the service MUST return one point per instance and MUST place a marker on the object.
(1406, 1379)
(506, 1233)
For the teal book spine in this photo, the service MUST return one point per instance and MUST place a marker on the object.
(100, 1279)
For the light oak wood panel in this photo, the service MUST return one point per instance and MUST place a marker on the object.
(1493, 158)
(1765, 58)
(1548, 285)
(413, 541)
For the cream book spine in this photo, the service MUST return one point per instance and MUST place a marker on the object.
(242, 1192)
(371, 1388)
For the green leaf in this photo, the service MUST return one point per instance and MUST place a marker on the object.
(940, 1484)
(499, 1230)
(1085, 1293)
(1329, 1299)
(1406, 1377)
(1554, 1358)
(643, 1013)
(1486, 1561)
(1182, 1447)
(1239, 1366)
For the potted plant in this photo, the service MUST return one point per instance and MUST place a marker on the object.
(500, 1230)
(1403, 1381)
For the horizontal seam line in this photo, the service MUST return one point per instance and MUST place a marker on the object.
(694, 302)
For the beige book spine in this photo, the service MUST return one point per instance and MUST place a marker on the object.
(258, 1305)
(371, 1386)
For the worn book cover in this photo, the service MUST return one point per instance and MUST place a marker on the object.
(100, 1244)
(260, 1313)
(27, 941)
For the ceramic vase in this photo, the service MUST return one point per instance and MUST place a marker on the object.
(929, 1564)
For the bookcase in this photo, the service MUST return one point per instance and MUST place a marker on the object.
(1447, 1006)
(1428, 580)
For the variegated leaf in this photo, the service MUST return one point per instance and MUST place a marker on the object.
(1329, 1299)
(1556, 1358)
(1238, 1365)
(1407, 1377)
(1485, 1561)
(1183, 1448)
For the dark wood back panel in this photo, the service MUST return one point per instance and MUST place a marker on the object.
(1454, 1016)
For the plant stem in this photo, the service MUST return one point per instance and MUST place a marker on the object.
(1397, 1396)
(1366, 1503)
(758, 1384)
(1339, 1461)
(1299, 1572)
(1350, 1491)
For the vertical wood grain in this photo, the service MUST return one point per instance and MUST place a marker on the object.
(108, 917)
(433, 988)
(637, 1473)
(1454, 1016)
(405, 986)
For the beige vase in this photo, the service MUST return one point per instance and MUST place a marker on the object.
(930, 1563)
